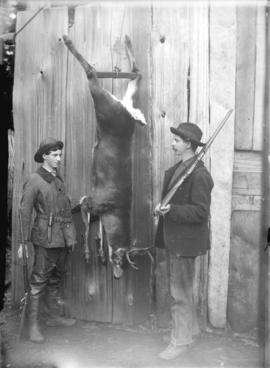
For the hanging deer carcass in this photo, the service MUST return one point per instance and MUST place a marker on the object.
(111, 193)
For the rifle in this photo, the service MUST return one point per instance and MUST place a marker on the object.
(25, 299)
(194, 162)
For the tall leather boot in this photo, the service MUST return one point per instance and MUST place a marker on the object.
(55, 318)
(35, 334)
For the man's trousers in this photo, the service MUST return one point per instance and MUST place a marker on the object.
(48, 271)
(183, 312)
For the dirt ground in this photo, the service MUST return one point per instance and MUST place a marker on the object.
(89, 344)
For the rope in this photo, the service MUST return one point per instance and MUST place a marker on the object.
(29, 20)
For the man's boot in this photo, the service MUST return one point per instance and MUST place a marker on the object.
(55, 319)
(35, 334)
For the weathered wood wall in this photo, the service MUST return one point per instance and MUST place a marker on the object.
(186, 88)
(246, 293)
(190, 59)
(57, 102)
(266, 185)
(98, 33)
(38, 101)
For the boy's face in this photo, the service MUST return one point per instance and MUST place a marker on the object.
(53, 159)
(179, 146)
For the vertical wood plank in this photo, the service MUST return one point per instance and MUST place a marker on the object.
(119, 19)
(89, 285)
(142, 221)
(39, 82)
(98, 33)
(169, 64)
(222, 98)
(245, 76)
(199, 114)
(266, 164)
(259, 79)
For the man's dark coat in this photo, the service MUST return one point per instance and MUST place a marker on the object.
(184, 229)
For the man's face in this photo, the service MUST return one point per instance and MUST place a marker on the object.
(53, 159)
(179, 146)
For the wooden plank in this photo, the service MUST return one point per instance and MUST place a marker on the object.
(169, 64)
(245, 76)
(170, 61)
(259, 79)
(266, 213)
(39, 82)
(222, 98)
(128, 299)
(119, 23)
(248, 162)
(247, 183)
(247, 180)
(91, 296)
(98, 33)
(142, 220)
(245, 296)
(246, 202)
(199, 70)
(199, 114)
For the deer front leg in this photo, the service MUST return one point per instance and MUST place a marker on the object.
(133, 84)
(100, 242)
(86, 220)
(132, 87)
(131, 91)
(128, 100)
(131, 55)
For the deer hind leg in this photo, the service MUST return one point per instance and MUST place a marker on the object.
(86, 220)
(89, 70)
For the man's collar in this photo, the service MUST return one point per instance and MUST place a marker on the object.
(46, 175)
(186, 163)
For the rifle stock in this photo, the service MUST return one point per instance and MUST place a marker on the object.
(25, 299)
(193, 164)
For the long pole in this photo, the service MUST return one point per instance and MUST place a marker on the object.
(267, 192)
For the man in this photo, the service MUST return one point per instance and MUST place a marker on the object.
(183, 231)
(52, 235)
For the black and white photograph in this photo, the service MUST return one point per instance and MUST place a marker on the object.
(135, 175)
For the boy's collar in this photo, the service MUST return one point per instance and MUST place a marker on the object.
(47, 175)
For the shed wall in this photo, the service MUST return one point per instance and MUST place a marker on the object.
(191, 59)
(245, 293)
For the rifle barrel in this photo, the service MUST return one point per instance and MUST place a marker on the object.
(218, 129)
